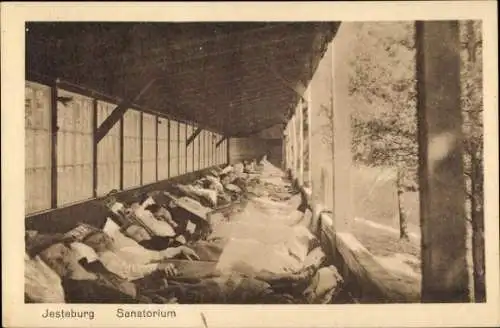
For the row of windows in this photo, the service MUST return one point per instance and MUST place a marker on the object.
(163, 147)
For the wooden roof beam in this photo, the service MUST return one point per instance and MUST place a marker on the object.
(118, 113)
(193, 136)
(220, 141)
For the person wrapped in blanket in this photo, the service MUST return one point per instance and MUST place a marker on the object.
(216, 188)
(191, 282)
(137, 221)
(323, 281)
(163, 279)
(84, 278)
(72, 275)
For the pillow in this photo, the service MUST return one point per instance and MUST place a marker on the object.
(113, 230)
(227, 169)
(148, 201)
(181, 239)
(110, 227)
(315, 258)
(191, 227)
(122, 241)
(159, 228)
(117, 207)
(41, 283)
(83, 251)
(37, 242)
(324, 286)
(81, 231)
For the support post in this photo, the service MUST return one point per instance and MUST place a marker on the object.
(186, 152)
(210, 142)
(141, 148)
(202, 149)
(342, 157)
(300, 118)
(194, 153)
(122, 152)
(157, 123)
(442, 189)
(289, 164)
(228, 149)
(169, 150)
(94, 148)
(53, 150)
(283, 151)
(179, 170)
(199, 153)
(287, 151)
(309, 135)
(294, 145)
(212, 146)
(207, 151)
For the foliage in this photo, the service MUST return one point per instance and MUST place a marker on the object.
(472, 106)
(382, 88)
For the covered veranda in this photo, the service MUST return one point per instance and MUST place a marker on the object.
(160, 102)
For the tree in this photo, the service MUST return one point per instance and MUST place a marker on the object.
(472, 107)
(382, 87)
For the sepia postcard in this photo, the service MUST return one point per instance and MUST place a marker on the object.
(253, 164)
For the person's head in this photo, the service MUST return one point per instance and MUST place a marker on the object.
(62, 259)
(99, 241)
(109, 200)
(145, 200)
(137, 233)
(225, 178)
(206, 183)
(212, 186)
(161, 213)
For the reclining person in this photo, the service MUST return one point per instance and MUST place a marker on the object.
(135, 264)
(135, 235)
(180, 228)
(140, 289)
(157, 227)
(170, 233)
(144, 239)
(41, 283)
(247, 167)
(134, 241)
(79, 285)
(206, 197)
(218, 288)
(212, 182)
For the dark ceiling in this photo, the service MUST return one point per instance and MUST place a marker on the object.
(233, 78)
